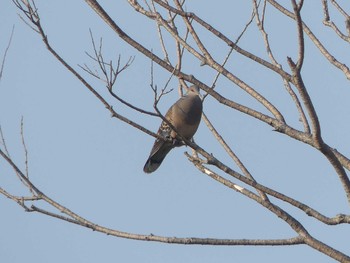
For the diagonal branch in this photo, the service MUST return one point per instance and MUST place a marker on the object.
(208, 60)
(233, 156)
(260, 24)
(291, 221)
(303, 235)
(79, 220)
(331, 59)
(297, 9)
(6, 51)
(280, 127)
(328, 22)
(33, 16)
(224, 38)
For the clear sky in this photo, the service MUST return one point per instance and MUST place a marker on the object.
(92, 164)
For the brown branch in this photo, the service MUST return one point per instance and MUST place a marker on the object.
(260, 24)
(218, 74)
(297, 10)
(3, 142)
(190, 78)
(110, 74)
(308, 210)
(194, 34)
(343, 67)
(279, 127)
(74, 218)
(6, 51)
(77, 219)
(305, 237)
(176, 240)
(20, 200)
(229, 42)
(316, 129)
(7, 153)
(318, 142)
(25, 153)
(297, 103)
(161, 40)
(338, 168)
(291, 221)
(344, 161)
(208, 60)
(233, 156)
(327, 20)
(33, 16)
(340, 9)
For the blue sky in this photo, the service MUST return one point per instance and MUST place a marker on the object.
(91, 163)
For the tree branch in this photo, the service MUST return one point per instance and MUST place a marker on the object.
(315, 40)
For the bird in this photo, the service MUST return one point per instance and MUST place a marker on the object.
(185, 116)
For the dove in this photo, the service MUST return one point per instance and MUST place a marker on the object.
(185, 116)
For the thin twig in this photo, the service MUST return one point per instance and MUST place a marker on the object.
(218, 74)
(77, 219)
(231, 153)
(328, 22)
(208, 60)
(260, 24)
(25, 153)
(297, 9)
(3, 142)
(6, 51)
(161, 39)
(335, 62)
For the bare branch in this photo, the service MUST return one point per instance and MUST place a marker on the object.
(327, 20)
(76, 219)
(6, 51)
(343, 67)
(208, 60)
(297, 10)
(224, 38)
(260, 24)
(33, 15)
(293, 223)
(3, 142)
(231, 153)
(20, 200)
(25, 153)
(192, 42)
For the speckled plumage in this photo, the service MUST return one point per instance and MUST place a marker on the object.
(184, 115)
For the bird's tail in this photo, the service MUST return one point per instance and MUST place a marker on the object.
(156, 157)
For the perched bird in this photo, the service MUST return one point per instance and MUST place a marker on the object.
(185, 116)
